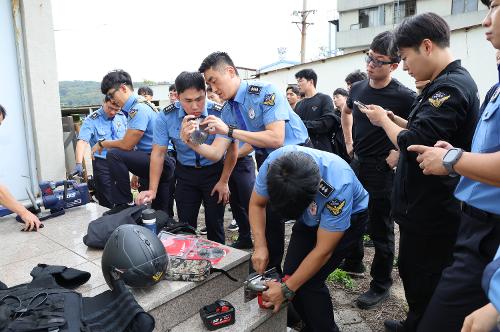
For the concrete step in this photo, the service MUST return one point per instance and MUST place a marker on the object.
(249, 317)
(172, 302)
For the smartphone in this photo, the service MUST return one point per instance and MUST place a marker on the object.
(359, 104)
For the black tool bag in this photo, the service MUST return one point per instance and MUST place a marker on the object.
(48, 304)
(99, 230)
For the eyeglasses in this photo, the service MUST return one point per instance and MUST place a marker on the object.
(376, 63)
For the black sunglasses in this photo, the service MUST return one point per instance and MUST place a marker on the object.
(376, 63)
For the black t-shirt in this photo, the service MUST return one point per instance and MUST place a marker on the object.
(370, 140)
(318, 117)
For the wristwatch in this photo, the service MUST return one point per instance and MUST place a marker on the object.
(100, 142)
(450, 159)
(288, 294)
(230, 131)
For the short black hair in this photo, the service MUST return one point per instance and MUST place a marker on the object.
(292, 183)
(145, 90)
(172, 88)
(340, 91)
(383, 43)
(308, 74)
(3, 111)
(487, 3)
(114, 79)
(355, 76)
(187, 80)
(215, 60)
(294, 88)
(413, 30)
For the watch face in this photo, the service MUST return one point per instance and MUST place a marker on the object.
(451, 155)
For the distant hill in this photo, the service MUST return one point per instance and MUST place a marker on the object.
(81, 93)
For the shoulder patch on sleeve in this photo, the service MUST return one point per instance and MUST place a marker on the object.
(169, 108)
(254, 89)
(269, 99)
(335, 206)
(325, 189)
(217, 107)
(94, 115)
(438, 99)
(132, 113)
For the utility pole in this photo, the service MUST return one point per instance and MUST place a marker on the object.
(303, 28)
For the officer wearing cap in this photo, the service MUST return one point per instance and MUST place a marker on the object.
(459, 290)
(256, 113)
(198, 178)
(132, 152)
(106, 123)
(320, 191)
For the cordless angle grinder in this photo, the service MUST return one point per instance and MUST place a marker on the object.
(255, 285)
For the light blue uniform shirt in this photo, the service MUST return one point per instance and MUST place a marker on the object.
(491, 281)
(340, 193)
(486, 140)
(258, 104)
(98, 126)
(168, 126)
(141, 117)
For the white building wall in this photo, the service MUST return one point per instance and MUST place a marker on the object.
(42, 86)
(476, 54)
(440, 7)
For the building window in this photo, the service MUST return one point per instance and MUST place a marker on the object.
(404, 8)
(371, 17)
(463, 6)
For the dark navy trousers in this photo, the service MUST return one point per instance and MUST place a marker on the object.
(103, 182)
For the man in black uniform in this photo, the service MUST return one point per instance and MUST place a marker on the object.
(315, 110)
(372, 153)
(424, 207)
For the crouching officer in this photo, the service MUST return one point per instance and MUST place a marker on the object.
(322, 193)
(198, 178)
(107, 123)
(131, 153)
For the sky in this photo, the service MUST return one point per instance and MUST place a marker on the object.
(156, 40)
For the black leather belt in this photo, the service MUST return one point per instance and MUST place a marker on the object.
(478, 213)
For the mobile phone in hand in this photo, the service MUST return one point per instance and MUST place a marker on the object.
(359, 104)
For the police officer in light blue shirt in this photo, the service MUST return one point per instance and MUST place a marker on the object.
(321, 192)
(198, 178)
(256, 113)
(106, 123)
(132, 152)
(459, 290)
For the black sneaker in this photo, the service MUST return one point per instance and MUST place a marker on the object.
(355, 269)
(233, 226)
(371, 298)
(116, 209)
(203, 231)
(242, 244)
(392, 325)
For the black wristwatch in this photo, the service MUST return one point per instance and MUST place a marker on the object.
(100, 142)
(230, 131)
(450, 159)
(288, 294)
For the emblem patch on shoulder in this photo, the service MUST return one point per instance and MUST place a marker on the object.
(132, 113)
(325, 189)
(335, 206)
(269, 99)
(169, 108)
(438, 99)
(94, 115)
(217, 107)
(254, 89)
